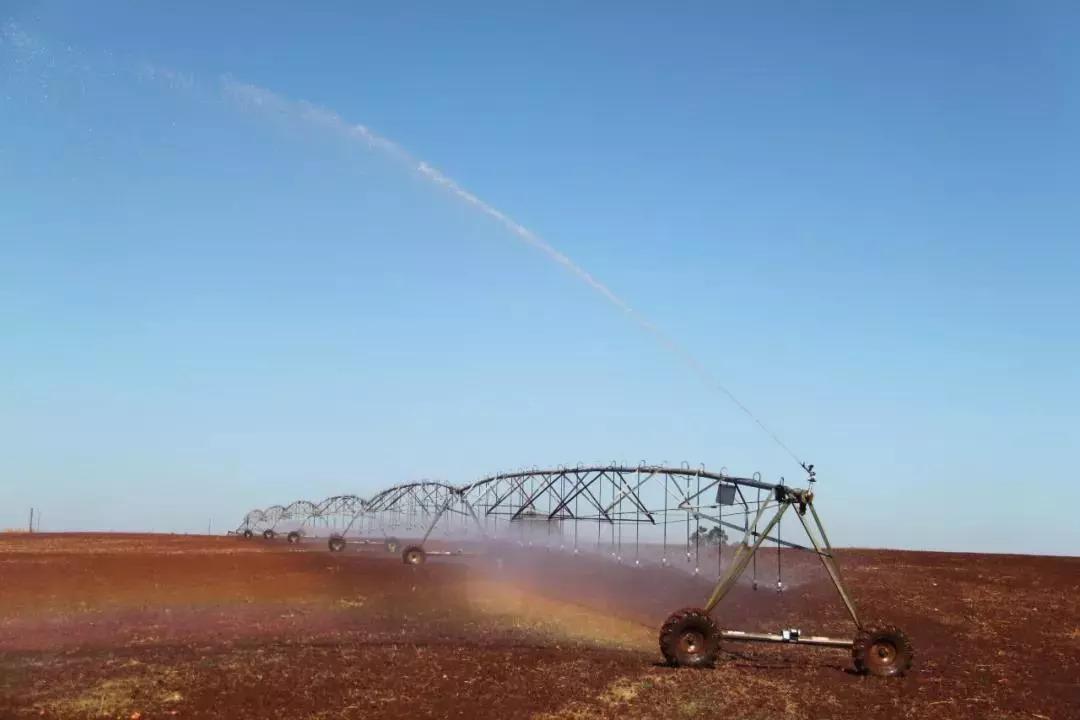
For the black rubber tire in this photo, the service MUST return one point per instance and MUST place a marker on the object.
(690, 638)
(269, 534)
(336, 544)
(392, 545)
(247, 534)
(414, 555)
(883, 651)
(293, 537)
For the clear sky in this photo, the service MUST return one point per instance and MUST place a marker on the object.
(863, 219)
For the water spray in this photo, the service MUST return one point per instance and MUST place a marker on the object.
(266, 101)
(28, 49)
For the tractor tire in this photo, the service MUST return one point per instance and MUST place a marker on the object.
(247, 534)
(690, 638)
(414, 555)
(269, 534)
(392, 545)
(293, 537)
(336, 544)
(884, 651)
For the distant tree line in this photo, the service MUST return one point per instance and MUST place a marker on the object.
(709, 536)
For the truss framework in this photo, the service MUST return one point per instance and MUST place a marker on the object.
(618, 509)
(633, 513)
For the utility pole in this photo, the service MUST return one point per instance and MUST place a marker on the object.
(31, 519)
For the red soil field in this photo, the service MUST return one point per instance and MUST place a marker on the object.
(156, 626)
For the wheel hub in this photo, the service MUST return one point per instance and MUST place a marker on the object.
(691, 642)
(883, 653)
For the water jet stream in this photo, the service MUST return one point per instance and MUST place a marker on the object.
(263, 101)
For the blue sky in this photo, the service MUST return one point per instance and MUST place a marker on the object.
(861, 218)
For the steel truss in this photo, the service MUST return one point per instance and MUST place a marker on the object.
(627, 512)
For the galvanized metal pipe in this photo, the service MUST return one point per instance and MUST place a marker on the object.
(740, 636)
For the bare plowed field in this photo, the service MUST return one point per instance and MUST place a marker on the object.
(127, 626)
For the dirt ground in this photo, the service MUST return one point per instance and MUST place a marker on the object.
(127, 626)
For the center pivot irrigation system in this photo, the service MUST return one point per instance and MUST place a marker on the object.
(637, 514)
